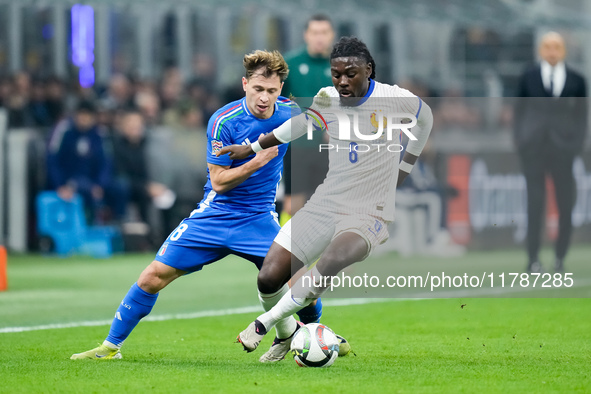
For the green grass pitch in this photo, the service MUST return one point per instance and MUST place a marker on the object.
(417, 345)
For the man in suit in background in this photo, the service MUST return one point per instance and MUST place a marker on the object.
(550, 128)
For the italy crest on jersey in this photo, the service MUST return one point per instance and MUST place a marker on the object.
(216, 146)
(163, 249)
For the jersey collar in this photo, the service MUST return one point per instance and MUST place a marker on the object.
(372, 85)
(245, 107)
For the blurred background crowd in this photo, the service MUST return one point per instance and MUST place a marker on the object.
(140, 92)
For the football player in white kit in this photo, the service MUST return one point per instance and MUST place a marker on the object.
(348, 214)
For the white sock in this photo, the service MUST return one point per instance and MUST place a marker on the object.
(111, 345)
(268, 301)
(286, 307)
(284, 327)
(308, 288)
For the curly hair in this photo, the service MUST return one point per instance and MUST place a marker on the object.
(353, 47)
(270, 63)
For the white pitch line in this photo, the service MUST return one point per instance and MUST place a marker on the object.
(328, 302)
(192, 315)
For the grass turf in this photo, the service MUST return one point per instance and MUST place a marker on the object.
(439, 345)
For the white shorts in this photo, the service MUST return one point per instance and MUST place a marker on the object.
(311, 230)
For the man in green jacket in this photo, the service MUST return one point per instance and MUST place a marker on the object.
(309, 71)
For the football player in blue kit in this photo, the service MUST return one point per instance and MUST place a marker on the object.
(237, 214)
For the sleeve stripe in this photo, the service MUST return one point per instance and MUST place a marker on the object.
(320, 116)
(315, 118)
(213, 128)
(420, 106)
(226, 118)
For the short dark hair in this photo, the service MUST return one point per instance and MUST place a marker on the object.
(317, 18)
(353, 47)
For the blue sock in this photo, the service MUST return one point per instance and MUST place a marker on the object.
(136, 304)
(311, 313)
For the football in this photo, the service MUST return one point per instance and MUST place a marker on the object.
(315, 345)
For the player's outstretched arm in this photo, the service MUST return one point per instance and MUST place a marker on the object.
(237, 152)
(288, 131)
(414, 148)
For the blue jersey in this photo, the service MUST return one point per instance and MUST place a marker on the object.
(234, 124)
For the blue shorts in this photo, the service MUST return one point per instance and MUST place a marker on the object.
(211, 234)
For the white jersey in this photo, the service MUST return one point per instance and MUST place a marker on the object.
(363, 172)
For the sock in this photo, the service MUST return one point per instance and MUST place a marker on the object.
(284, 327)
(284, 218)
(111, 345)
(136, 304)
(311, 313)
(268, 301)
(302, 293)
(287, 306)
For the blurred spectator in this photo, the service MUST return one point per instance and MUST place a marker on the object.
(148, 104)
(55, 96)
(477, 49)
(17, 102)
(32, 103)
(187, 175)
(200, 94)
(204, 67)
(105, 119)
(171, 94)
(236, 92)
(481, 45)
(191, 117)
(131, 165)
(171, 87)
(417, 86)
(38, 105)
(22, 84)
(549, 133)
(185, 114)
(77, 163)
(423, 193)
(76, 94)
(5, 91)
(198, 91)
(309, 71)
(309, 66)
(145, 85)
(420, 88)
(119, 94)
(455, 112)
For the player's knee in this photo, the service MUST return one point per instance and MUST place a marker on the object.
(268, 282)
(149, 283)
(272, 276)
(154, 278)
(276, 270)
